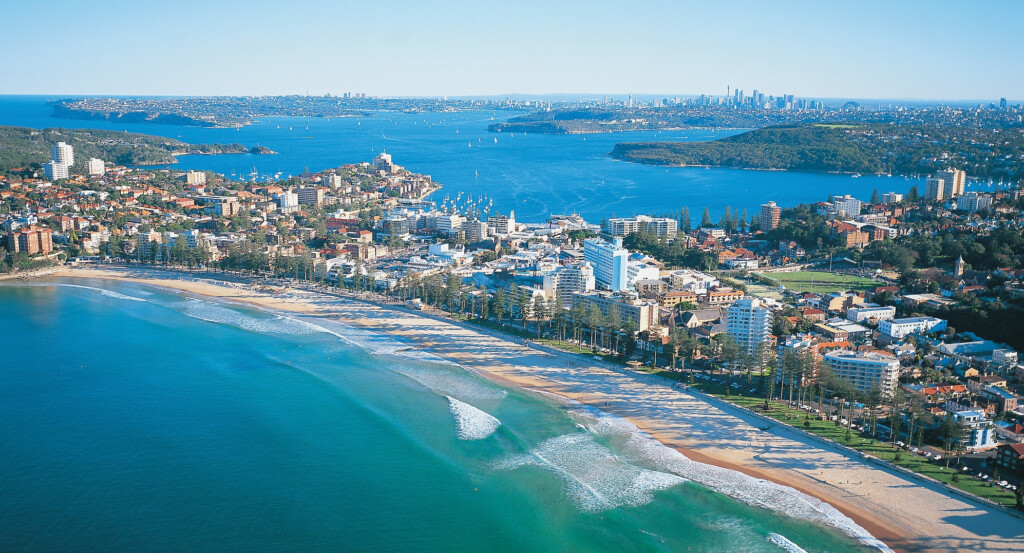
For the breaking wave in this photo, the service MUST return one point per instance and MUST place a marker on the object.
(273, 324)
(103, 291)
(595, 479)
(639, 447)
(784, 543)
(472, 423)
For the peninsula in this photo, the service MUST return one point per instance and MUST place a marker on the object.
(906, 149)
(23, 146)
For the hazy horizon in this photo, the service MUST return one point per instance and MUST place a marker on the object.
(940, 51)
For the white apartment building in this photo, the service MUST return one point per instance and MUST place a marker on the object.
(609, 260)
(770, 214)
(974, 202)
(503, 224)
(568, 280)
(450, 224)
(892, 198)
(332, 180)
(935, 189)
(64, 154)
(860, 314)
(659, 226)
(901, 328)
(636, 271)
(195, 177)
(687, 280)
(865, 369)
(954, 182)
(748, 323)
(55, 170)
(475, 230)
(288, 202)
(628, 306)
(846, 206)
(95, 167)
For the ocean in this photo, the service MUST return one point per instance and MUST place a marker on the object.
(535, 175)
(133, 418)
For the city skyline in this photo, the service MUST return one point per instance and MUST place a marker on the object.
(908, 51)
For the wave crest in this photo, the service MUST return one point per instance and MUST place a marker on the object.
(472, 423)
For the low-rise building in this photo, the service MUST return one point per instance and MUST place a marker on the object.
(860, 314)
(901, 328)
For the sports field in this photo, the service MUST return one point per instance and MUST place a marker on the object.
(821, 282)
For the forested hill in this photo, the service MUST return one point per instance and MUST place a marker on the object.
(906, 149)
(26, 147)
(842, 148)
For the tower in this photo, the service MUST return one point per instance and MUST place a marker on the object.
(958, 267)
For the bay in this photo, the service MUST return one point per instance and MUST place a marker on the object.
(137, 419)
(535, 175)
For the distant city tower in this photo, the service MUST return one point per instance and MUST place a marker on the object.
(958, 267)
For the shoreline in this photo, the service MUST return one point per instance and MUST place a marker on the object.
(699, 430)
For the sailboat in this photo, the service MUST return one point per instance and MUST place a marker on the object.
(495, 139)
(470, 144)
(476, 173)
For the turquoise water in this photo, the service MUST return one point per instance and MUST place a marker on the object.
(136, 419)
(534, 174)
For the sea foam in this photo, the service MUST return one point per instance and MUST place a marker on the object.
(472, 423)
(102, 291)
(594, 478)
(640, 447)
(215, 313)
(784, 543)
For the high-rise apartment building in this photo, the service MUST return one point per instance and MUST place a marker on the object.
(847, 206)
(30, 240)
(55, 170)
(567, 280)
(609, 260)
(748, 323)
(503, 224)
(63, 153)
(288, 202)
(663, 227)
(95, 167)
(955, 181)
(770, 214)
(935, 189)
(973, 202)
(866, 369)
(310, 195)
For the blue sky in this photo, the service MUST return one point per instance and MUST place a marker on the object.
(866, 49)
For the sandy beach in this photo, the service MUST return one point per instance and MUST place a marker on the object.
(906, 514)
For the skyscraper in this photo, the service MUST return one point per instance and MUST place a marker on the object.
(55, 170)
(770, 214)
(935, 189)
(955, 181)
(64, 154)
(748, 323)
(609, 260)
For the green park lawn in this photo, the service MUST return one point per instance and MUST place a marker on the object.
(818, 282)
